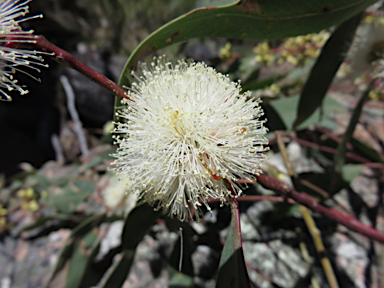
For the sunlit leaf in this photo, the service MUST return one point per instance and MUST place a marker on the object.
(351, 171)
(286, 110)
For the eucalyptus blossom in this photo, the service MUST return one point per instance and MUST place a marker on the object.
(12, 59)
(187, 134)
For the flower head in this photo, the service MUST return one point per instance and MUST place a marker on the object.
(11, 59)
(187, 133)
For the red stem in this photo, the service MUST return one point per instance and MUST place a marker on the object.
(67, 59)
(332, 136)
(352, 223)
(331, 150)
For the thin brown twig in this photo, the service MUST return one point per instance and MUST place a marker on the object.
(320, 248)
(308, 219)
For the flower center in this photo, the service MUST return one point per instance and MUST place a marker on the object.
(178, 124)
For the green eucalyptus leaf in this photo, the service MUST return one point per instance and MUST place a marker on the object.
(366, 151)
(325, 68)
(83, 254)
(43, 221)
(339, 159)
(40, 182)
(81, 235)
(95, 161)
(248, 19)
(232, 270)
(119, 271)
(137, 225)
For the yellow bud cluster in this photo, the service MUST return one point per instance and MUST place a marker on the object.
(3, 211)
(26, 193)
(3, 219)
(226, 51)
(3, 222)
(28, 196)
(372, 19)
(264, 54)
(293, 50)
(376, 94)
(270, 91)
(31, 205)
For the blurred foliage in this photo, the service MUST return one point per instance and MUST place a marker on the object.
(299, 80)
(110, 25)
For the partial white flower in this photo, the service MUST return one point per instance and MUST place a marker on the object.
(116, 192)
(187, 133)
(366, 49)
(12, 59)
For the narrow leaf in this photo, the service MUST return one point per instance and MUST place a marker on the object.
(80, 260)
(325, 68)
(232, 270)
(366, 151)
(120, 270)
(137, 225)
(339, 158)
(72, 243)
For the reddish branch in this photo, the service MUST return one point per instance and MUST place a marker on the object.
(273, 184)
(67, 59)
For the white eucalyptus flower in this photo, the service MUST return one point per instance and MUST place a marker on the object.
(12, 59)
(187, 134)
